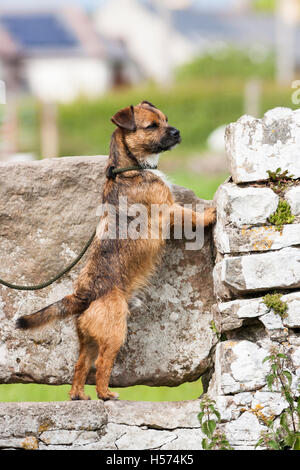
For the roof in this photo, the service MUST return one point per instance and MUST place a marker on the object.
(44, 30)
(230, 26)
(54, 32)
(241, 28)
(238, 29)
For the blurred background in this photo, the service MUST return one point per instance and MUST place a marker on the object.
(67, 66)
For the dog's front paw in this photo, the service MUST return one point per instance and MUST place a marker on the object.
(210, 216)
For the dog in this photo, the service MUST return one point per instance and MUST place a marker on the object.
(117, 267)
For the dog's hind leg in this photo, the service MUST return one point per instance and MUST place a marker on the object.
(88, 350)
(106, 322)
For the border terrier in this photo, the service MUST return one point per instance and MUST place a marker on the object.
(118, 266)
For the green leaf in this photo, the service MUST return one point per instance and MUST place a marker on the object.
(282, 356)
(259, 442)
(200, 416)
(205, 429)
(274, 367)
(270, 381)
(274, 445)
(283, 422)
(212, 444)
(217, 415)
(289, 440)
(288, 375)
(268, 358)
(288, 398)
(296, 445)
(205, 444)
(211, 426)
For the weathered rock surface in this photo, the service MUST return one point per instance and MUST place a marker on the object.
(240, 206)
(254, 146)
(231, 315)
(96, 425)
(293, 198)
(255, 238)
(242, 223)
(239, 367)
(258, 272)
(48, 211)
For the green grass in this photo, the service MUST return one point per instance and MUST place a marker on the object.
(264, 5)
(196, 106)
(228, 62)
(36, 392)
(203, 186)
(196, 109)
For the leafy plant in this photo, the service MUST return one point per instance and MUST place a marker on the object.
(209, 418)
(274, 302)
(283, 215)
(286, 435)
(279, 175)
(280, 181)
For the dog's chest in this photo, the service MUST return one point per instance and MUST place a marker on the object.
(162, 176)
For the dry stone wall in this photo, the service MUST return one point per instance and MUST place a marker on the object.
(47, 212)
(254, 258)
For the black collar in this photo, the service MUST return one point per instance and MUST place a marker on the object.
(112, 171)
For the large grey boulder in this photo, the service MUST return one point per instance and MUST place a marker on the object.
(48, 211)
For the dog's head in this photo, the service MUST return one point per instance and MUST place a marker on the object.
(146, 131)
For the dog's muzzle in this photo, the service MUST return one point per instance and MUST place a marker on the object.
(170, 139)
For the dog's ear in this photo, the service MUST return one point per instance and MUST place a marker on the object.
(125, 119)
(149, 104)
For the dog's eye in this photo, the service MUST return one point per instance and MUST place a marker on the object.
(153, 125)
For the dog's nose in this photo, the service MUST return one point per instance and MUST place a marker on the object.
(174, 132)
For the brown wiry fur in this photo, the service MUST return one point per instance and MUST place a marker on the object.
(116, 268)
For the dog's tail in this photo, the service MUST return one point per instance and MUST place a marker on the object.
(69, 305)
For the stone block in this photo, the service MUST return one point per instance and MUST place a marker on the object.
(231, 315)
(94, 425)
(293, 198)
(242, 221)
(239, 367)
(255, 238)
(239, 206)
(254, 146)
(260, 272)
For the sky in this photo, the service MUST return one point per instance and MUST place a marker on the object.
(91, 4)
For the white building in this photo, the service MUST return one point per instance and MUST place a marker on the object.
(56, 55)
(148, 34)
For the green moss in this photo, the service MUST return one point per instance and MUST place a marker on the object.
(282, 215)
(274, 302)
